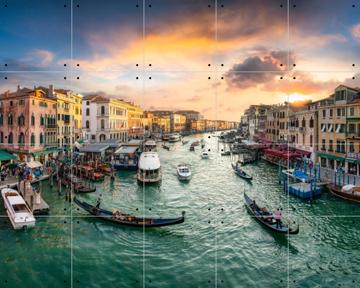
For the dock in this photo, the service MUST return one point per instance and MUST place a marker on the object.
(34, 200)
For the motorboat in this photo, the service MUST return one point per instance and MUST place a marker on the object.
(149, 170)
(204, 155)
(165, 137)
(149, 145)
(183, 172)
(174, 137)
(17, 210)
(348, 192)
(184, 142)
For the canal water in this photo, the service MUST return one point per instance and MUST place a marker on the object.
(219, 245)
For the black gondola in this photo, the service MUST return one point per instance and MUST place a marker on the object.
(241, 173)
(266, 218)
(128, 220)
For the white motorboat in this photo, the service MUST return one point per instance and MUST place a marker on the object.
(183, 172)
(174, 137)
(204, 155)
(149, 169)
(19, 213)
(149, 145)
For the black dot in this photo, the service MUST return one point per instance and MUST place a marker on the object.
(281, 77)
(222, 222)
(5, 78)
(209, 137)
(281, 281)
(137, 77)
(150, 65)
(294, 281)
(65, 5)
(137, 209)
(353, 5)
(78, 5)
(209, 209)
(209, 150)
(149, 209)
(281, 6)
(294, 78)
(149, 5)
(5, 5)
(294, 6)
(209, 281)
(222, 65)
(137, 281)
(64, 65)
(209, 221)
(209, 6)
(78, 65)
(137, 6)
(65, 281)
(294, 65)
(209, 65)
(77, 281)
(222, 209)
(209, 78)
(78, 78)
(281, 65)
(150, 78)
(64, 222)
(149, 281)
(353, 78)
(5, 65)
(64, 78)
(64, 209)
(353, 65)
(222, 150)
(222, 5)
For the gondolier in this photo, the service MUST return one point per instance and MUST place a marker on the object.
(278, 216)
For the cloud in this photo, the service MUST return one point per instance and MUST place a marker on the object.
(355, 31)
(245, 74)
(42, 57)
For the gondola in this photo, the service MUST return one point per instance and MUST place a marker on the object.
(128, 220)
(266, 218)
(166, 147)
(78, 186)
(241, 173)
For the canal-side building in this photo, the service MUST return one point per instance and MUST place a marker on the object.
(27, 122)
(334, 121)
(135, 121)
(104, 118)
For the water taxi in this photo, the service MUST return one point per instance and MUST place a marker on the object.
(149, 145)
(174, 137)
(17, 210)
(183, 172)
(149, 170)
(126, 158)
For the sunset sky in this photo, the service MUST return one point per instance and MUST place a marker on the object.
(248, 44)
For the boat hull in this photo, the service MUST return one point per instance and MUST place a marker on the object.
(125, 167)
(336, 191)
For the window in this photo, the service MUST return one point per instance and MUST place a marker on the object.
(10, 119)
(41, 139)
(330, 128)
(1, 137)
(32, 119)
(87, 111)
(1, 119)
(21, 120)
(102, 110)
(32, 139)
(351, 128)
(351, 147)
(87, 103)
(10, 138)
(331, 112)
(22, 102)
(11, 103)
(87, 124)
(340, 128)
(21, 139)
(323, 145)
(323, 127)
(324, 113)
(340, 146)
(41, 120)
(351, 111)
(102, 124)
(331, 143)
(311, 124)
(303, 123)
(311, 140)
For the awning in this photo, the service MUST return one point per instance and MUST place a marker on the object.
(94, 148)
(34, 164)
(5, 156)
(330, 156)
(46, 151)
(126, 150)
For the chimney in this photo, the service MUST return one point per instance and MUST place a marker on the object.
(51, 90)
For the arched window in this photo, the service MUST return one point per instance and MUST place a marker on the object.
(311, 124)
(41, 120)
(1, 119)
(32, 139)
(21, 120)
(303, 122)
(10, 138)
(10, 119)
(41, 139)
(102, 124)
(87, 124)
(32, 119)
(21, 138)
(102, 110)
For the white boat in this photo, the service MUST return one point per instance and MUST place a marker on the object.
(204, 155)
(183, 172)
(149, 145)
(19, 213)
(149, 169)
(174, 137)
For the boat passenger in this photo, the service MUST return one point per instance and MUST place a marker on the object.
(98, 202)
(278, 216)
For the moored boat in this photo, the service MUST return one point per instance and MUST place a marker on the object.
(241, 173)
(149, 145)
(263, 216)
(149, 170)
(78, 184)
(204, 155)
(174, 137)
(348, 192)
(183, 172)
(17, 210)
(120, 218)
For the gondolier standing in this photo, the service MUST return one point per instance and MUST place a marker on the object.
(278, 216)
